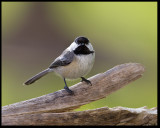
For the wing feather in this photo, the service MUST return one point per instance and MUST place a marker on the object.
(64, 59)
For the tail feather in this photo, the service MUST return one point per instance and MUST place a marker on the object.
(36, 77)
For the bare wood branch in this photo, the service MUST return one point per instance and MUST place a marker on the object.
(103, 84)
(102, 116)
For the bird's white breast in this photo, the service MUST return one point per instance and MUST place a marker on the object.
(79, 67)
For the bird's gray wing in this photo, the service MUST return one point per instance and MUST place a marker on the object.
(64, 59)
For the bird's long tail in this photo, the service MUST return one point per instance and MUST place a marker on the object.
(36, 77)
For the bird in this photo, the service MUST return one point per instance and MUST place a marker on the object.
(75, 62)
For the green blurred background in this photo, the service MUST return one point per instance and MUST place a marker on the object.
(35, 33)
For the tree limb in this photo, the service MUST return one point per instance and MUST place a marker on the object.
(59, 102)
(102, 116)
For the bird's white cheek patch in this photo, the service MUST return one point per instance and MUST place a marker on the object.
(72, 47)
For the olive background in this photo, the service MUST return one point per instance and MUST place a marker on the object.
(35, 33)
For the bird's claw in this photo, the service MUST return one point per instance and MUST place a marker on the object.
(85, 80)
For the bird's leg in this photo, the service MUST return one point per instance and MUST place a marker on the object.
(66, 88)
(87, 81)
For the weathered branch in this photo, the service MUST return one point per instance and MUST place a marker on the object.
(59, 102)
(101, 116)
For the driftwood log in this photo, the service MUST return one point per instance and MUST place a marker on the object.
(57, 108)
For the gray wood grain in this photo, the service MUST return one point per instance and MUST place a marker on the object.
(103, 84)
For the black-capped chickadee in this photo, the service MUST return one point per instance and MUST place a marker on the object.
(74, 62)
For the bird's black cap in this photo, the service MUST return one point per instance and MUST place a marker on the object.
(81, 40)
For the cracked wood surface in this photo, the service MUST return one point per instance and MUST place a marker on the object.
(102, 116)
(59, 102)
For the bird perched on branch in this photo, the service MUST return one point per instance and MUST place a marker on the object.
(74, 62)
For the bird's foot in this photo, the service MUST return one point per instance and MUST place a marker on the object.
(85, 80)
(68, 90)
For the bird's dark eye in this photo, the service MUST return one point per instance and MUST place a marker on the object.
(81, 40)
